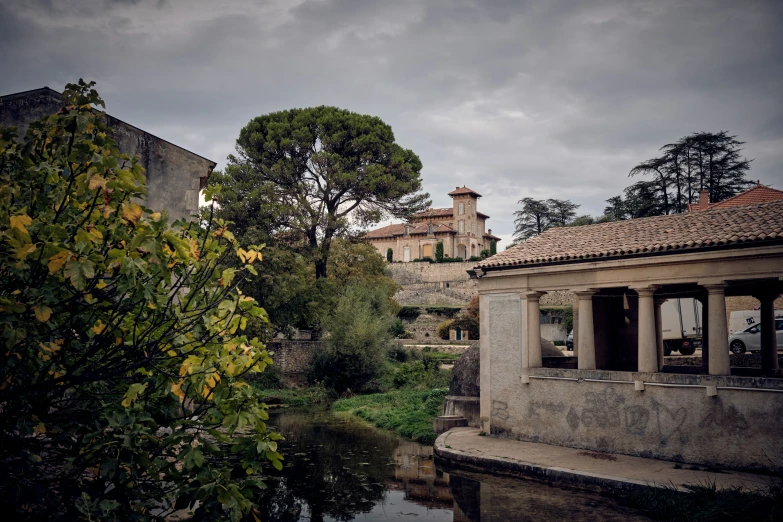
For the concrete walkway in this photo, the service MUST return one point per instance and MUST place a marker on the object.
(465, 448)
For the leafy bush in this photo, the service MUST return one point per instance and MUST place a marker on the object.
(443, 329)
(493, 247)
(484, 253)
(397, 353)
(428, 259)
(475, 258)
(448, 311)
(409, 312)
(397, 329)
(269, 379)
(125, 354)
(355, 347)
(451, 260)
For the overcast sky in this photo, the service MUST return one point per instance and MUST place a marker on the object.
(511, 98)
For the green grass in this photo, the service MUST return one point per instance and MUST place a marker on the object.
(297, 398)
(704, 503)
(409, 413)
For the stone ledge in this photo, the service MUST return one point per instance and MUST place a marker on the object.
(722, 381)
(511, 467)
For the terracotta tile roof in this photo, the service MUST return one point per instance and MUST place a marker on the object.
(490, 236)
(757, 194)
(433, 212)
(742, 226)
(399, 230)
(459, 191)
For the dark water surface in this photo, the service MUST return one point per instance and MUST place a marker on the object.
(338, 469)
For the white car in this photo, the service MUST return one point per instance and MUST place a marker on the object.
(749, 339)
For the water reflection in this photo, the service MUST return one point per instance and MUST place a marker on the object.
(337, 469)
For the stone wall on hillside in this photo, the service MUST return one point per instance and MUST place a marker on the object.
(293, 357)
(433, 283)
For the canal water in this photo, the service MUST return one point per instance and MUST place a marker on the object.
(337, 469)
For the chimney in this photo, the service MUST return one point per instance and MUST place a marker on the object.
(489, 231)
(704, 200)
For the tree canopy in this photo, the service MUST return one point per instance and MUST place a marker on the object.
(309, 175)
(121, 379)
(537, 215)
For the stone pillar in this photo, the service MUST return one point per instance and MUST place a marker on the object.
(484, 362)
(534, 329)
(705, 328)
(718, 333)
(648, 344)
(659, 331)
(769, 344)
(586, 358)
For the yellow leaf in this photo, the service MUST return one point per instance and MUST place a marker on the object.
(118, 341)
(131, 212)
(21, 222)
(99, 327)
(25, 251)
(151, 306)
(172, 353)
(42, 313)
(155, 216)
(52, 348)
(101, 285)
(207, 393)
(176, 390)
(39, 428)
(96, 182)
(57, 261)
(96, 233)
(211, 382)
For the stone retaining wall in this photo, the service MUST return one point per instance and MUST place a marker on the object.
(293, 357)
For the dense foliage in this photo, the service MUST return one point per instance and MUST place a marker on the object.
(306, 176)
(355, 348)
(121, 375)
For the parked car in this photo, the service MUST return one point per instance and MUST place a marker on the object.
(570, 340)
(749, 339)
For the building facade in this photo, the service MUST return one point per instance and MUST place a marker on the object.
(461, 229)
(174, 175)
(619, 395)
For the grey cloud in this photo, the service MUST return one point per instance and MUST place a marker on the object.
(549, 99)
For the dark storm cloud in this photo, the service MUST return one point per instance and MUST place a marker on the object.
(513, 99)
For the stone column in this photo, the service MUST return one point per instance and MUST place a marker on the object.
(534, 329)
(586, 358)
(705, 328)
(659, 331)
(769, 344)
(648, 345)
(718, 333)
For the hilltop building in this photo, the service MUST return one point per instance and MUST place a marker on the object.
(174, 175)
(461, 228)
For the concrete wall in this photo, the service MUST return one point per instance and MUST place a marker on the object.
(174, 175)
(738, 428)
(553, 332)
(293, 357)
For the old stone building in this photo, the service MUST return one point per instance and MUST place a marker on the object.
(461, 228)
(174, 175)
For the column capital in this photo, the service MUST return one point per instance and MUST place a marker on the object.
(533, 295)
(585, 293)
(766, 295)
(660, 300)
(714, 288)
(646, 290)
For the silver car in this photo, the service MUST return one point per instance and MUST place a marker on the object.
(749, 339)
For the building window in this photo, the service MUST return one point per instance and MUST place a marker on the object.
(461, 226)
(461, 208)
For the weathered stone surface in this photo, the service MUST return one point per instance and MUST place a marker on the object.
(174, 175)
(446, 422)
(465, 374)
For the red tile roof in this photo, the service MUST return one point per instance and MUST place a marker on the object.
(399, 230)
(433, 212)
(757, 194)
(740, 227)
(459, 191)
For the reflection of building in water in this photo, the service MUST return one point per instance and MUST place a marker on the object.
(415, 474)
